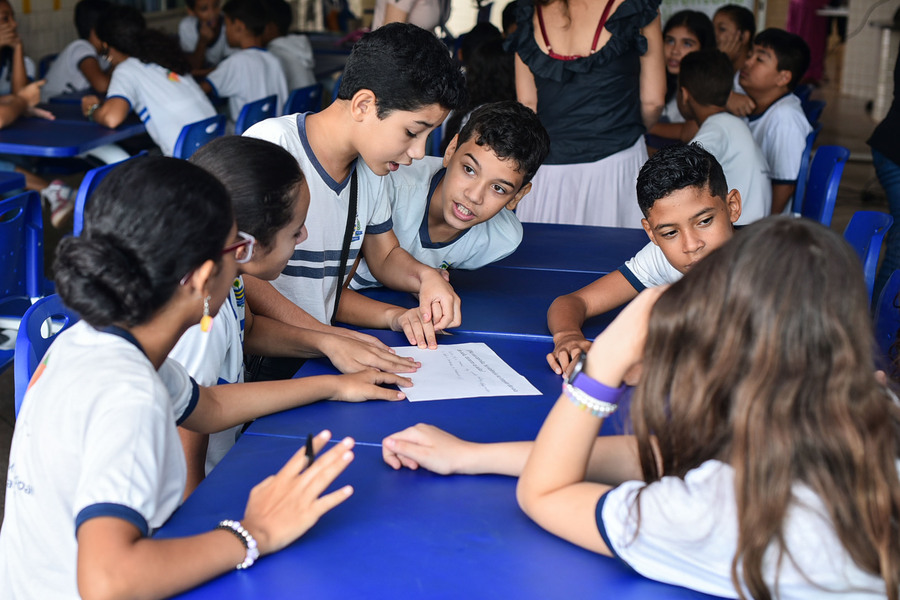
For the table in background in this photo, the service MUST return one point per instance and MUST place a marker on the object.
(64, 137)
(11, 181)
(409, 533)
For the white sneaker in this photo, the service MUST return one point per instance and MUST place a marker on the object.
(61, 199)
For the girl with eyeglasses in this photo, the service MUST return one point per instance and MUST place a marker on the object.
(96, 464)
(270, 199)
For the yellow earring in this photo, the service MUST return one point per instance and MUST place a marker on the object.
(206, 321)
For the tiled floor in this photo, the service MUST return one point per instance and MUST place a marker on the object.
(845, 123)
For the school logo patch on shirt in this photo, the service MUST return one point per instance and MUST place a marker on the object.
(173, 76)
(445, 265)
(357, 230)
(238, 287)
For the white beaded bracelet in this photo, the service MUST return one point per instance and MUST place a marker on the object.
(246, 539)
(585, 401)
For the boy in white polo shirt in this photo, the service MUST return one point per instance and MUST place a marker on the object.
(704, 87)
(398, 85)
(778, 61)
(688, 213)
(79, 66)
(457, 211)
(201, 35)
(250, 73)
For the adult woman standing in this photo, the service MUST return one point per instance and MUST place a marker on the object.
(593, 71)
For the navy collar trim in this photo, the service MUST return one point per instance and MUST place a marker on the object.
(125, 335)
(424, 236)
(335, 186)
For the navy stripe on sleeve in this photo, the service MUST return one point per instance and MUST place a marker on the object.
(110, 509)
(192, 403)
(602, 529)
(632, 278)
(380, 227)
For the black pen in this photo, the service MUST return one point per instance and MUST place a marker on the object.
(310, 453)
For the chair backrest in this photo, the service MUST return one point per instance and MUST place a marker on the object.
(305, 99)
(813, 110)
(865, 232)
(90, 182)
(44, 64)
(21, 247)
(887, 318)
(803, 174)
(822, 186)
(256, 111)
(194, 135)
(40, 325)
(803, 91)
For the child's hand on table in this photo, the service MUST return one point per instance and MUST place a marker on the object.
(566, 352)
(425, 446)
(438, 302)
(354, 354)
(366, 385)
(418, 331)
(286, 505)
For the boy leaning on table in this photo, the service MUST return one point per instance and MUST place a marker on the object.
(688, 212)
(456, 212)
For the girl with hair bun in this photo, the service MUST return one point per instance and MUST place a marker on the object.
(96, 464)
(270, 198)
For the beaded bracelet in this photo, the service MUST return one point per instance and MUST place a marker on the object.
(585, 401)
(246, 539)
(91, 110)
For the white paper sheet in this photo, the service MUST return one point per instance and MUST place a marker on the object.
(467, 370)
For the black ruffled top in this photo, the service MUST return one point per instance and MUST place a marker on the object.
(591, 106)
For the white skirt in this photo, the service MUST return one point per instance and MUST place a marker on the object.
(598, 193)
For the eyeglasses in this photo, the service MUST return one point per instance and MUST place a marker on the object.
(243, 248)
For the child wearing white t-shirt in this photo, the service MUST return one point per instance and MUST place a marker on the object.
(150, 78)
(96, 464)
(251, 73)
(764, 456)
(778, 124)
(201, 35)
(705, 84)
(80, 67)
(293, 50)
(270, 198)
(688, 212)
(16, 69)
(457, 212)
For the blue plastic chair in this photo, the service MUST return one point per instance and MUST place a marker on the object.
(194, 135)
(21, 261)
(803, 91)
(44, 64)
(813, 110)
(305, 99)
(256, 111)
(865, 232)
(887, 320)
(90, 182)
(42, 322)
(803, 174)
(824, 179)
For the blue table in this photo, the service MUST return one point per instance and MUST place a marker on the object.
(597, 250)
(508, 300)
(33, 136)
(403, 535)
(509, 418)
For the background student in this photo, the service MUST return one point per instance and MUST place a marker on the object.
(398, 85)
(686, 31)
(689, 212)
(778, 123)
(270, 199)
(250, 73)
(735, 27)
(96, 446)
(16, 69)
(150, 77)
(704, 87)
(292, 50)
(80, 67)
(765, 457)
(201, 35)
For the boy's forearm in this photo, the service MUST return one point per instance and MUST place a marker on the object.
(362, 311)
(781, 195)
(270, 337)
(264, 300)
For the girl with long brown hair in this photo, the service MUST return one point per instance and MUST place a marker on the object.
(764, 461)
